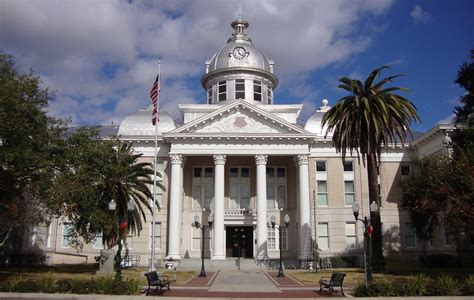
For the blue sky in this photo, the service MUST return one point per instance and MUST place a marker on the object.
(100, 56)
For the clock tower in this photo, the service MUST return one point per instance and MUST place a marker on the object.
(239, 71)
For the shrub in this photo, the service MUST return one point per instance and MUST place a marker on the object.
(444, 285)
(133, 287)
(378, 288)
(415, 286)
(46, 284)
(63, 286)
(25, 286)
(438, 260)
(468, 288)
(104, 285)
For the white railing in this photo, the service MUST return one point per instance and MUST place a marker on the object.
(240, 212)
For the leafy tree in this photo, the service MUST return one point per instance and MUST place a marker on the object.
(30, 147)
(370, 117)
(98, 171)
(440, 191)
(425, 192)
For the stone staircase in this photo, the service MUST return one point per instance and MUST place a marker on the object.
(234, 263)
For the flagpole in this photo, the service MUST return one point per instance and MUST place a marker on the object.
(152, 264)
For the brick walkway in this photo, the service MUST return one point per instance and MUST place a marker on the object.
(288, 288)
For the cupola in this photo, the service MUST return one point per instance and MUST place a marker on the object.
(239, 71)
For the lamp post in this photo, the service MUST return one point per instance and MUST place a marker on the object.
(203, 230)
(287, 223)
(367, 239)
(122, 228)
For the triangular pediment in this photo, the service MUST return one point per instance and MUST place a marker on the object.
(239, 118)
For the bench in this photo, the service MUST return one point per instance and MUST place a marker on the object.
(161, 282)
(336, 280)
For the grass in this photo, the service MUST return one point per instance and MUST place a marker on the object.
(82, 271)
(395, 270)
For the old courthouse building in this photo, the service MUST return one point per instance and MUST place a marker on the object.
(240, 159)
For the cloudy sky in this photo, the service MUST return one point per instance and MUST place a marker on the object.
(101, 56)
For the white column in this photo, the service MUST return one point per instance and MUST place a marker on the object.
(218, 251)
(303, 203)
(174, 228)
(262, 235)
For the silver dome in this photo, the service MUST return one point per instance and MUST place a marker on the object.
(252, 60)
(313, 124)
(139, 123)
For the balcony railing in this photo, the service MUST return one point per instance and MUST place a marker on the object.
(240, 212)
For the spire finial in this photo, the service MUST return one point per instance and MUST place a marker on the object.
(240, 10)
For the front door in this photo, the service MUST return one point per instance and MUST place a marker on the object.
(239, 241)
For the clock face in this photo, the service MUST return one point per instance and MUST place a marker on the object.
(239, 52)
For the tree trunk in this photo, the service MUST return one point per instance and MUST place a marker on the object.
(378, 263)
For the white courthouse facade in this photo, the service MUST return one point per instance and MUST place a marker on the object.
(240, 159)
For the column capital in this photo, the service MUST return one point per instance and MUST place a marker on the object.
(176, 159)
(302, 159)
(219, 159)
(261, 159)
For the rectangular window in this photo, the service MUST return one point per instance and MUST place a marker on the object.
(157, 235)
(270, 172)
(257, 91)
(351, 237)
(159, 170)
(129, 242)
(323, 236)
(203, 188)
(234, 172)
(276, 187)
(67, 235)
(269, 95)
(49, 229)
(239, 89)
(348, 166)
(34, 236)
(209, 95)
(222, 91)
(245, 172)
(349, 194)
(239, 187)
(405, 170)
(196, 242)
(410, 239)
(320, 166)
(322, 193)
(97, 243)
(273, 240)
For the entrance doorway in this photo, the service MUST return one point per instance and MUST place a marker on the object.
(239, 239)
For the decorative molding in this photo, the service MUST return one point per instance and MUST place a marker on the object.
(261, 159)
(219, 159)
(176, 159)
(236, 121)
(302, 159)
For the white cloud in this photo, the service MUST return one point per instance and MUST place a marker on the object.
(419, 15)
(447, 119)
(101, 56)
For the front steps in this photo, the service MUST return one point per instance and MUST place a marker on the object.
(233, 263)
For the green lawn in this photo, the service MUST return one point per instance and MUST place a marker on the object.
(82, 271)
(395, 270)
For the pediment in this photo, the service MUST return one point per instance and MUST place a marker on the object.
(239, 118)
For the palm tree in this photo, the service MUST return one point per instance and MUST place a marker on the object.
(126, 179)
(370, 117)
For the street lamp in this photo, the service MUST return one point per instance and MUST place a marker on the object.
(367, 226)
(203, 230)
(287, 223)
(112, 206)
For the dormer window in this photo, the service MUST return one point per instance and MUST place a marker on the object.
(257, 91)
(239, 89)
(222, 91)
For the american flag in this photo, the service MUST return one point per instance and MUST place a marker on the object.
(155, 96)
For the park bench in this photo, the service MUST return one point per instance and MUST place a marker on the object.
(161, 282)
(336, 280)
